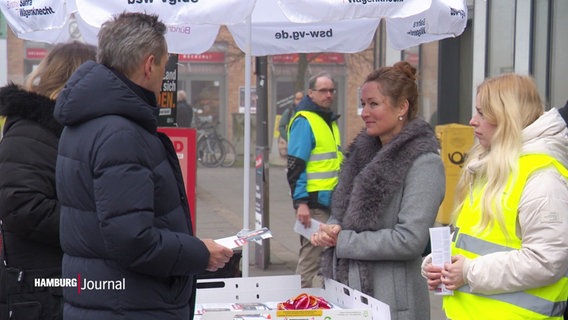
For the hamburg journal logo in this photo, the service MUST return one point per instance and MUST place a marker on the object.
(82, 284)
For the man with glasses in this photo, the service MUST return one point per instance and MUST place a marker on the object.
(314, 159)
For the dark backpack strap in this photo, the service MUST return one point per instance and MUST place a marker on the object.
(564, 112)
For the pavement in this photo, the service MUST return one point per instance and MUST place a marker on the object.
(219, 213)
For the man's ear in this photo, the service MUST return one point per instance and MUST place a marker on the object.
(149, 65)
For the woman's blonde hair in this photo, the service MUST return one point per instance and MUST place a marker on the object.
(511, 102)
(50, 76)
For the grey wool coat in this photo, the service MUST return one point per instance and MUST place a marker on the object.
(386, 200)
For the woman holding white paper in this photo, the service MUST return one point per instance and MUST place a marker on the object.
(390, 187)
(510, 256)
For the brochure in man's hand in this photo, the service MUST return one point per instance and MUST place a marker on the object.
(244, 237)
(307, 232)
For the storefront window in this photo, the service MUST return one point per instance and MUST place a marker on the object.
(558, 49)
(501, 38)
(426, 60)
(540, 45)
(549, 50)
(205, 101)
(3, 27)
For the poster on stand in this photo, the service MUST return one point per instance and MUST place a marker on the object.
(167, 99)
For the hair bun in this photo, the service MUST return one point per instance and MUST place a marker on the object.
(406, 68)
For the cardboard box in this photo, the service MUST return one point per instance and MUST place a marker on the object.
(220, 296)
(455, 140)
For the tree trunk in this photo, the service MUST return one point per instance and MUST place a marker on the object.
(301, 75)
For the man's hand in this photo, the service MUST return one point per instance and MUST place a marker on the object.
(303, 215)
(218, 255)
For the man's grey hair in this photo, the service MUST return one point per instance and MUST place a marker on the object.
(129, 38)
(314, 78)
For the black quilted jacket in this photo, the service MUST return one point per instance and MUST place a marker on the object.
(124, 212)
(29, 208)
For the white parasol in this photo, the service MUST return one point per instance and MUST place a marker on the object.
(259, 27)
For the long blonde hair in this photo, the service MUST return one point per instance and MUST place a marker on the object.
(511, 102)
(50, 76)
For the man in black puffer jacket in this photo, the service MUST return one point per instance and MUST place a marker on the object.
(125, 224)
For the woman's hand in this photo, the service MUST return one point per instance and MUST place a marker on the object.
(433, 275)
(326, 235)
(452, 275)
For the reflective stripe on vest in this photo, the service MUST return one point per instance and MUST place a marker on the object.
(322, 169)
(540, 303)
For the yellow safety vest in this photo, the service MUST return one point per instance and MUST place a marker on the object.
(540, 303)
(322, 169)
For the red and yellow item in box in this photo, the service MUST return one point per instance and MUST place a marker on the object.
(304, 301)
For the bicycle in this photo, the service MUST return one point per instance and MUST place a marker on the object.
(230, 154)
(210, 151)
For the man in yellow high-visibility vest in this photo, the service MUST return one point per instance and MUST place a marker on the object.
(314, 159)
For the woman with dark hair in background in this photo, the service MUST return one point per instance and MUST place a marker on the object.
(29, 208)
(390, 188)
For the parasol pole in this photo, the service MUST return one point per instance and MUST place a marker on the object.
(246, 139)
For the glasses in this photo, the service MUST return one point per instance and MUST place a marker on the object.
(324, 91)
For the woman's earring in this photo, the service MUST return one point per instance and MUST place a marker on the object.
(400, 118)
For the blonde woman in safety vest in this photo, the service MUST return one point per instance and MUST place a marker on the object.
(510, 241)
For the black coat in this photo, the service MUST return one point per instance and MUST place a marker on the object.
(124, 212)
(184, 115)
(29, 208)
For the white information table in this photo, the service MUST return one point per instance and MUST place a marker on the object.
(256, 298)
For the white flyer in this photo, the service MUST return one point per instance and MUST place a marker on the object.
(307, 232)
(244, 237)
(440, 240)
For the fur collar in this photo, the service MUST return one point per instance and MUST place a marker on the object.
(373, 173)
(370, 177)
(16, 102)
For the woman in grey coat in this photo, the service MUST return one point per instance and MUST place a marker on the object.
(390, 187)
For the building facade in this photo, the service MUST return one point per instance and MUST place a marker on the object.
(523, 36)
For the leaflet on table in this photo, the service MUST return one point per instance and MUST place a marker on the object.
(244, 237)
(261, 309)
(307, 232)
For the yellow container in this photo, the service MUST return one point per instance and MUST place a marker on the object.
(455, 141)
